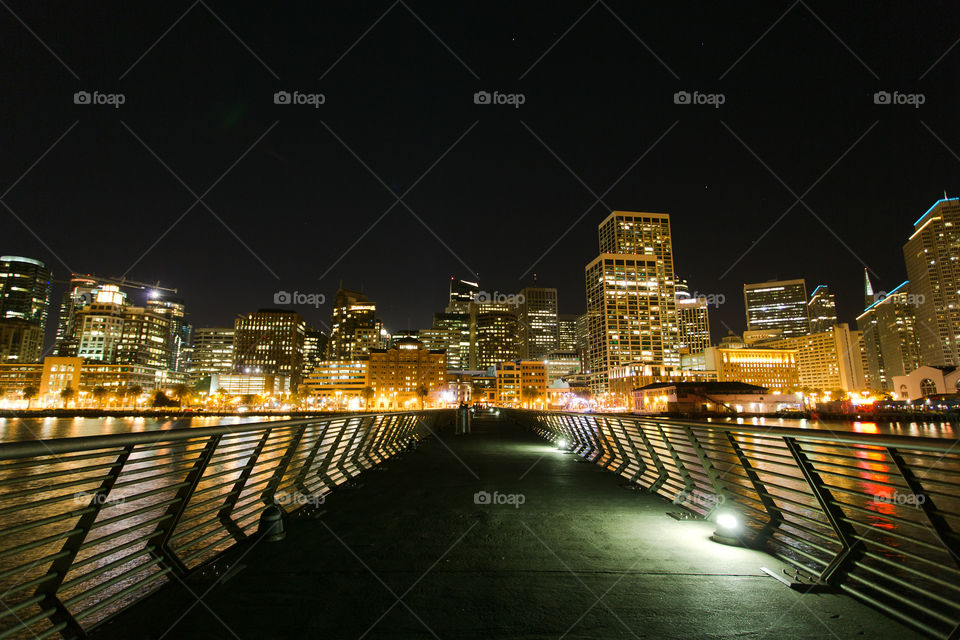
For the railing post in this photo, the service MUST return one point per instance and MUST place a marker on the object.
(641, 464)
(844, 531)
(301, 481)
(225, 515)
(271, 489)
(688, 484)
(61, 566)
(342, 464)
(941, 528)
(165, 528)
(662, 473)
(776, 517)
(719, 488)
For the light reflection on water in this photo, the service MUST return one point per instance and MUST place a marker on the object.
(14, 429)
(937, 429)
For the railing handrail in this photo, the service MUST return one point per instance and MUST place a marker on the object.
(57, 446)
(921, 443)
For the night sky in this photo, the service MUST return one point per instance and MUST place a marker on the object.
(486, 189)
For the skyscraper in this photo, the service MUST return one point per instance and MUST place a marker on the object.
(932, 256)
(566, 332)
(179, 333)
(25, 287)
(462, 293)
(98, 326)
(494, 329)
(777, 305)
(459, 325)
(890, 337)
(270, 342)
(80, 292)
(354, 326)
(631, 297)
(537, 325)
(693, 320)
(822, 310)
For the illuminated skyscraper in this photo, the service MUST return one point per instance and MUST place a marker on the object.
(462, 293)
(459, 325)
(693, 320)
(25, 287)
(932, 256)
(822, 309)
(270, 342)
(566, 332)
(537, 325)
(179, 332)
(80, 292)
(354, 327)
(494, 329)
(777, 305)
(631, 297)
(889, 327)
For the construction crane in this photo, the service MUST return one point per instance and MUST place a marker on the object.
(120, 282)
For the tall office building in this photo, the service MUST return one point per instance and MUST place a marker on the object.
(932, 256)
(693, 320)
(890, 339)
(354, 327)
(822, 310)
(828, 360)
(212, 351)
(777, 305)
(537, 324)
(566, 332)
(446, 340)
(179, 332)
(631, 297)
(494, 333)
(314, 349)
(25, 287)
(270, 342)
(21, 342)
(145, 339)
(582, 329)
(459, 324)
(462, 293)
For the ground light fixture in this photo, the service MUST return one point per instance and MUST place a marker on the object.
(563, 443)
(729, 527)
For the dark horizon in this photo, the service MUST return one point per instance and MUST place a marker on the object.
(486, 189)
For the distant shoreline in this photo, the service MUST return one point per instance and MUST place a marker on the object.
(154, 413)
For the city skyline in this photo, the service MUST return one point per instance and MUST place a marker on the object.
(295, 186)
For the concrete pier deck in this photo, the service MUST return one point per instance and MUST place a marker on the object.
(569, 553)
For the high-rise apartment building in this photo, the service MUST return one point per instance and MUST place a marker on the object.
(631, 297)
(566, 332)
(822, 310)
(21, 341)
(25, 287)
(537, 323)
(145, 339)
(693, 320)
(212, 351)
(314, 349)
(270, 342)
(777, 304)
(354, 327)
(98, 326)
(890, 343)
(932, 256)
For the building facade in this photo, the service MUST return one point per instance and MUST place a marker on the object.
(25, 289)
(822, 309)
(631, 296)
(538, 328)
(270, 342)
(775, 369)
(406, 375)
(828, 360)
(932, 257)
(693, 321)
(354, 327)
(890, 341)
(212, 351)
(777, 305)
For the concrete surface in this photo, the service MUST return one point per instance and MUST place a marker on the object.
(410, 554)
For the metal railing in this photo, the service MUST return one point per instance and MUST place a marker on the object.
(876, 516)
(89, 525)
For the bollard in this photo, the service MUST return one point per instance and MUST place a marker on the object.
(271, 524)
